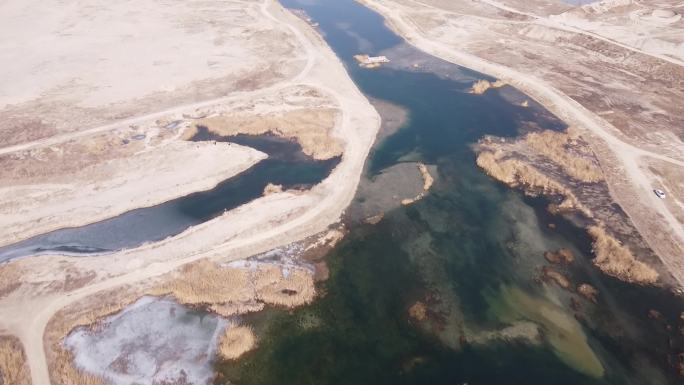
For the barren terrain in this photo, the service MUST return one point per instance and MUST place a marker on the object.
(612, 70)
(103, 113)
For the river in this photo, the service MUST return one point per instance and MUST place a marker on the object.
(286, 165)
(448, 290)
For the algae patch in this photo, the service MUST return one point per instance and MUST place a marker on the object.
(563, 333)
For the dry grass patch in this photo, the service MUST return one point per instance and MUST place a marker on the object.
(428, 180)
(515, 173)
(617, 260)
(561, 256)
(234, 290)
(13, 367)
(311, 128)
(272, 189)
(10, 278)
(481, 86)
(235, 341)
(557, 147)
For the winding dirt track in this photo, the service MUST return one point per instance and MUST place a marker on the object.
(27, 318)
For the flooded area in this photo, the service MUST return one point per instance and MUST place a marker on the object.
(455, 288)
(286, 165)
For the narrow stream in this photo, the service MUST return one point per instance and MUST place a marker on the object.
(286, 165)
(448, 290)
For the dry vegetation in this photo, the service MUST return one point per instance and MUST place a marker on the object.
(517, 173)
(561, 256)
(481, 86)
(10, 278)
(550, 163)
(230, 290)
(69, 159)
(225, 290)
(549, 274)
(13, 367)
(311, 128)
(418, 311)
(237, 340)
(428, 180)
(86, 313)
(272, 189)
(589, 292)
(562, 150)
(617, 260)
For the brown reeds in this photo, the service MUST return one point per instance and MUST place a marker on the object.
(13, 367)
(517, 173)
(311, 128)
(556, 147)
(617, 260)
(235, 341)
(481, 86)
(232, 288)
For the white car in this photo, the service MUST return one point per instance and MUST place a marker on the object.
(660, 193)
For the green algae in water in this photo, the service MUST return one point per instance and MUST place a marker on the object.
(362, 334)
(560, 328)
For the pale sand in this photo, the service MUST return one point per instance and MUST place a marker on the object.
(630, 186)
(260, 225)
(142, 180)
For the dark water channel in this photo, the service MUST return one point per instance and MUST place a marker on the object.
(470, 253)
(286, 165)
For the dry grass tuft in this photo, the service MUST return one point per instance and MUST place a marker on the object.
(557, 147)
(311, 128)
(617, 260)
(589, 292)
(549, 274)
(10, 278)
(13, 367)
(235, 341)
(418, 311)
(428, 180)
(481, 86)
(273, 189)
(561, 256)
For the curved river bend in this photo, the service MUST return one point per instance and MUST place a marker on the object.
(286, 165)
(447, 290)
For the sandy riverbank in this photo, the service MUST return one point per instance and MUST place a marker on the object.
(50, 283)
(104, 190)
(503, 41)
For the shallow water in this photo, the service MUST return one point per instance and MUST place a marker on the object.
(286, 165)
(470, 251)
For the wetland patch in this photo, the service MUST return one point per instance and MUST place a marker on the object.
(287, 166)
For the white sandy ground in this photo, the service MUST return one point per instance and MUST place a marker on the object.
(628, 156)
(258, 226)
(142, 180)
(103, 53)
(640, 34)
(152, 341)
